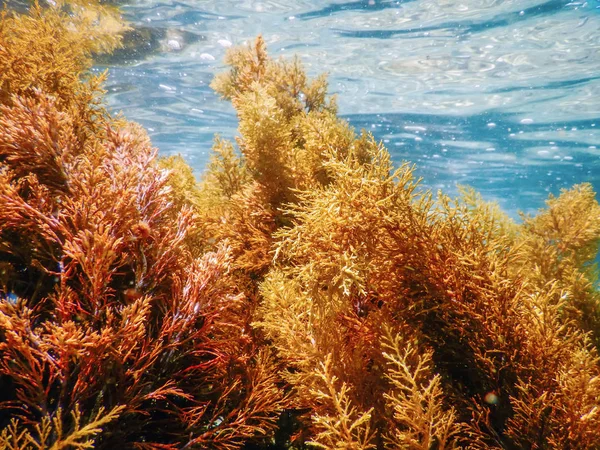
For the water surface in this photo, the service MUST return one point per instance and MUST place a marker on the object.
(500, 95)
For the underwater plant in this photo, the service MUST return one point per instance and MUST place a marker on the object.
(405, 319)
(114, 332)
(306, 293)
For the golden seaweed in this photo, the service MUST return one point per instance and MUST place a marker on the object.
(487, 319)
(114, 331)
(306, 293)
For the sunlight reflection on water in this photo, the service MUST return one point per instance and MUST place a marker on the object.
(501, 95)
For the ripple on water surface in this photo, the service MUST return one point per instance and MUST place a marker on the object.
(502, 95)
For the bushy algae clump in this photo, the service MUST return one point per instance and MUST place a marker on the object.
(114, 332)
(305, 294)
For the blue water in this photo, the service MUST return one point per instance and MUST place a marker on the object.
(500, 95)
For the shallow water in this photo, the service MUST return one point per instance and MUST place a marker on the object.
(500, 95)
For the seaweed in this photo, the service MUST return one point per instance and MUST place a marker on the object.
(407, 319)
(114, 331)
(305, 293)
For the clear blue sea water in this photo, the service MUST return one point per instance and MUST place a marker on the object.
(500, 95)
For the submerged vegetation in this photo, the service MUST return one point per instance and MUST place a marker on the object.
(305, 294)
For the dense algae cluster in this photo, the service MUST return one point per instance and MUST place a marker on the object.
(305, 294)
